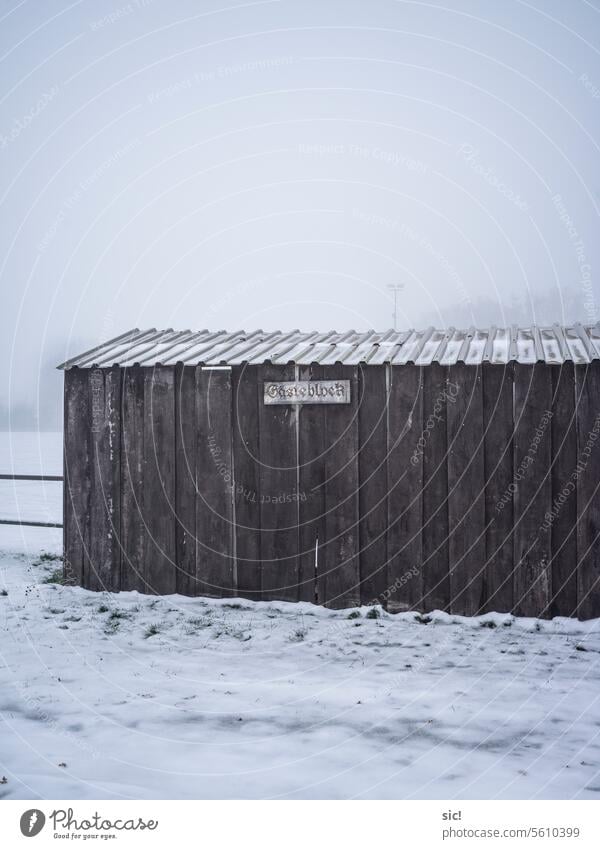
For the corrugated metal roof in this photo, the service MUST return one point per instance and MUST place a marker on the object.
(554, 345)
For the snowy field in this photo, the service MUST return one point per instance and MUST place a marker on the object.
(134, 696)
(172, 697)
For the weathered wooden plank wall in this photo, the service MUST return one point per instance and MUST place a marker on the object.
(533, 493)
(185, 479)
(456, 487)
(278, 483)
(133, 532)
(466, 489)
(77, 479)
(404, 587)
(246, 403)
(311, 504)
(339, 554)
(588, 485)
(498, 466)
(372, 473)
(564, 492)
(215, 548)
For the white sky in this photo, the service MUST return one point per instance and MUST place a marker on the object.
(278, 164)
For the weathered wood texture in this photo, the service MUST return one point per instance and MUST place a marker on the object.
(405, 443)
(532, 473)
(133, 530)
(436, 574)
(246, 462)
(215, 558)
(464, 488)
(77, 480)
(498, 471)
(104, 507)
(563, 512)
(278, 493)
(311, 485)
(587, 379)
(185, 479)
(159, 480)
(339, 555)
(372, 471)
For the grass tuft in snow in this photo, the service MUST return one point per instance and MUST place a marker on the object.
(374, 613)
(356, 614)
(152, 631)
(118, 614)
(55, 577)
(46, 557)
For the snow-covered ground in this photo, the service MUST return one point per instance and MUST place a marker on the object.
(173, 697)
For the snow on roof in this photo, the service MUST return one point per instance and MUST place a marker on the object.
(553, 345)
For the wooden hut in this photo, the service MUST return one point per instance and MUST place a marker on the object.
(456, 470)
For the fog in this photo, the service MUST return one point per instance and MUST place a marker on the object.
(282, 164)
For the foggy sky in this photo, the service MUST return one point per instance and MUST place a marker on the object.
(278, 164)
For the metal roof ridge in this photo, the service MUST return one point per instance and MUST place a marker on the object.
(85, 354)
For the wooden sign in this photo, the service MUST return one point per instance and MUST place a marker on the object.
(307, 392)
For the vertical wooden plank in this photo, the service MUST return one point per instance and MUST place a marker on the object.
(436, 579)
(215, 554)
(587, 380)
(311, 495)
(247, 395)
(372, 470)
(133, 531)
(104, 547)
(562, 517)
(499, 484)
(532, 459)
(278, 492)
(466, 489)
(338, 557)
(185, 477)
(159, 479)
(77, 474)
(405, 489)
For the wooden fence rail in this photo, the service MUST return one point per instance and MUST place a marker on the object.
(28, 523)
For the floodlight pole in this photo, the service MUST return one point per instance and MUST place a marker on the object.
(395, 288)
